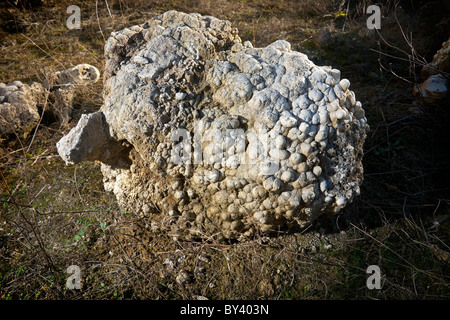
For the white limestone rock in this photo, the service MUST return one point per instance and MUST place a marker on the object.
(253, 124)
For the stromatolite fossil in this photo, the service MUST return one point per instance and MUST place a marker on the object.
(205, 135)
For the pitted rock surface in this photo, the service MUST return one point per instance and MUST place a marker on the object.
(204, 135)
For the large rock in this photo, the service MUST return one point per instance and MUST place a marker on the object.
(203, 135)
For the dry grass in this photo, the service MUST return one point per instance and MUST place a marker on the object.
(53, 215)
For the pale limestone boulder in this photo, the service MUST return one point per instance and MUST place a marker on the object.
(215, 138)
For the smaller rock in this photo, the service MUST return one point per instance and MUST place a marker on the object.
(18, 109)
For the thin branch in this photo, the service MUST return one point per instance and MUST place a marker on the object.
(98, 21)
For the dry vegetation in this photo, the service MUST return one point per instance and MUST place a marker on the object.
(53, 215)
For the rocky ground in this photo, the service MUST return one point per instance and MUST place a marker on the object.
(54, 216)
